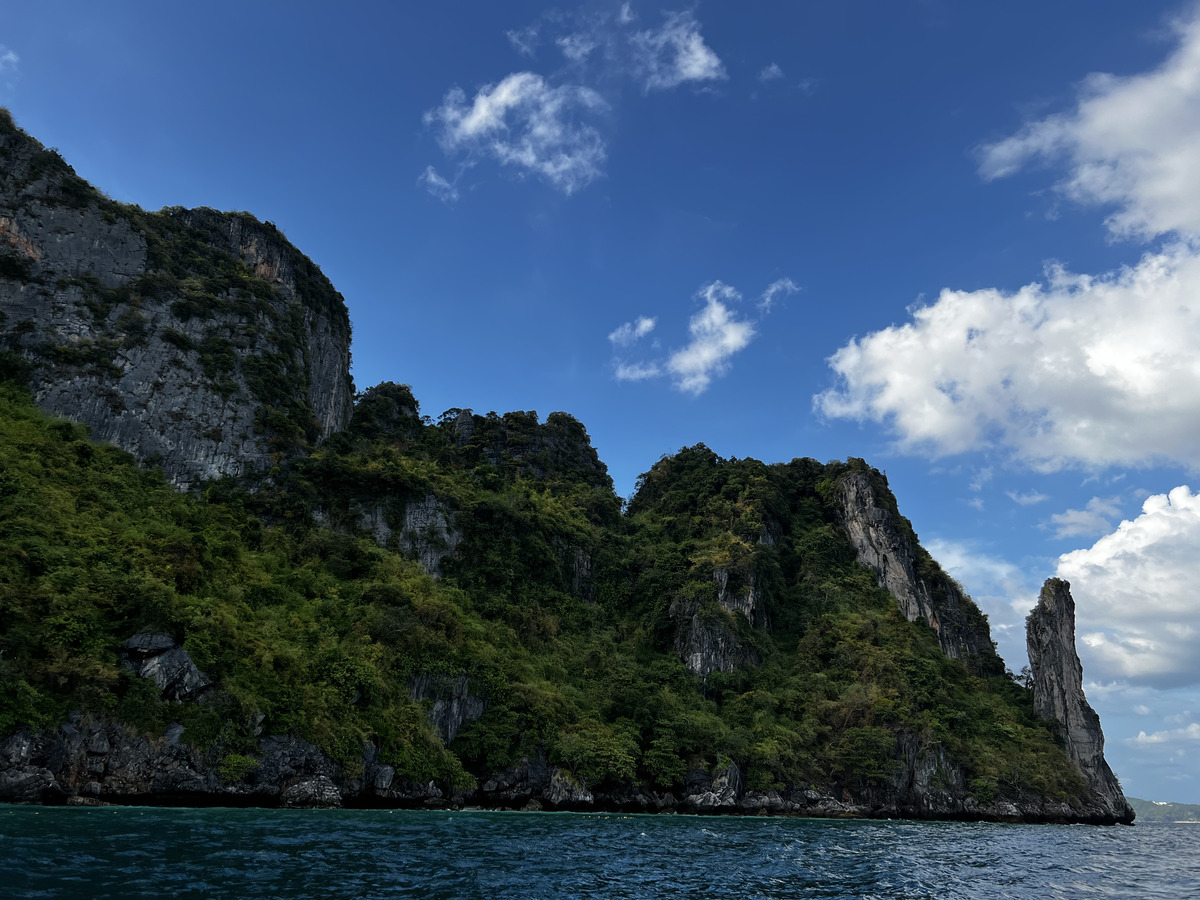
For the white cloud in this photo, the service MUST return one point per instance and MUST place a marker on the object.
(1079, 370)
(1190, 733)
(1095, 518)
(674, 54)
(1030, 498)
(770, 73)
(632, 332)
(637, 371)
(524, 40)
(717, 334)
(626, 14)
(8, 60)
(783, 286)
(1130, 142)
(577, 47)
(525, 122)
(437, 185)
(1135, 589)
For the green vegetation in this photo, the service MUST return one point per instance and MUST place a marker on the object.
(565, 611)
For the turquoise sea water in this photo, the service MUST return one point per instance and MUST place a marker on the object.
(151, 852)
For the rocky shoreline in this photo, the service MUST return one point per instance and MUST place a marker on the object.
(90, 761)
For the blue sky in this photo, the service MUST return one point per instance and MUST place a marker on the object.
(959, 240)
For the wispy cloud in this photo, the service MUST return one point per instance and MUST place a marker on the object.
(632, 332)
(438, 186)
(674, 54)
(770, 73)
(1095, 518)
(637, 371)
(9, 62)
(784, 286)
(548, 124)
(716, 333)
(525, 122)
(524, 40)
(1029, 498)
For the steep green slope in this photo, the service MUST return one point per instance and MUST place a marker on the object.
(305, 600)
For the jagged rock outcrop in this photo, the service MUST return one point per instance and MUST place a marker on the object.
(199, 340)
(167, 664)
(884, 542)
(1058, 693)
(453, 703)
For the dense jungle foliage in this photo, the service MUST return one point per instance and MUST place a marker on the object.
(564, 608)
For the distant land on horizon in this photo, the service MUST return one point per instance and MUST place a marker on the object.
(1161, 812)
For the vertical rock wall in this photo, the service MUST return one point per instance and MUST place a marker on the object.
(1058, 693)
(199, 340)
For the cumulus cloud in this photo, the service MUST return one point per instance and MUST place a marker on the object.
(1076, 370)
(1093, 519)
(437, 185)
(525, 122)
(1130, 142)
(717, 334)
(8, 61)
(632, 332)
(674, 54)
(770, 73)
(1079, 370)
(1135, 588)
(782, 286)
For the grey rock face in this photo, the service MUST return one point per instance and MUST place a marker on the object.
(720, 793)
(1058, 693)
(707, 640)
(183, 367)
(884, 546)
(453, 703)
(428, 532)
(159, 658)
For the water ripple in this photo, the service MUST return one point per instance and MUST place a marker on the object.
(131, 852)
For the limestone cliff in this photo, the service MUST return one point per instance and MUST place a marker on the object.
(713, 639)
(1058, 694)
(885, 543)
(199, 340)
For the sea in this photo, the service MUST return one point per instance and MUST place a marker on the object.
(98, 852)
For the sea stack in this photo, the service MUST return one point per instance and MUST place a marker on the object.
(1058, 694)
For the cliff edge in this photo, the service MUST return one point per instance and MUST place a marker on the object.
(202, 341)
(884, 542)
